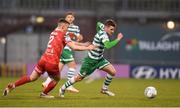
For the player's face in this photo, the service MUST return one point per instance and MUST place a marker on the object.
(70, 18)
(110, 30)
(65, 27)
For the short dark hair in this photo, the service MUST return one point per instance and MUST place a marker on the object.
(70, 13)
(110, 22)
(62, 20)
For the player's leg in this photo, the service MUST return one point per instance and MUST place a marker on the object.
(46, 82)
(53, 72)
(23, 80)
(71, 69)
(50, 86)
(49, 79)
(108, 79)
(67, 58)
(71, 72)
(86, 69)
(69, 83)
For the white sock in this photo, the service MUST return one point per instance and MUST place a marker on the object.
(70, 73)
(48, 80)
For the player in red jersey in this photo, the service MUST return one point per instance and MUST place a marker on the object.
(50, 59)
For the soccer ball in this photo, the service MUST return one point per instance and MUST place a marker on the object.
(150, 92)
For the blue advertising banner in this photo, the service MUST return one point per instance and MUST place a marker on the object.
(150, 72)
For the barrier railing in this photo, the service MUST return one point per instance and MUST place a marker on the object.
(120, 8)
(12, 70)
(139, 5)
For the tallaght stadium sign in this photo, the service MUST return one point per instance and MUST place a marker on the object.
(166, 43)
(159, 46)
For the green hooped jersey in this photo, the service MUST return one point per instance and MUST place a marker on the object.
(73, 29)
(98, 40)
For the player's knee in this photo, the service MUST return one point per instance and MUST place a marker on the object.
(33, 78)
(73, 67)
(78, 78)
(113, 73)
(81, 78)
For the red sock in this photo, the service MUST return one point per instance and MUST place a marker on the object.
(22, 80)
(50, 86)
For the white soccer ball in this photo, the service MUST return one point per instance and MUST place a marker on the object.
(150, 92)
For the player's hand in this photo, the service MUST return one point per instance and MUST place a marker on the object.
(79, 37)
(119, 36)
(91, 47)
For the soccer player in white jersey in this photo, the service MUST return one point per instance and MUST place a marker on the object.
(95, 59)
(67, 55)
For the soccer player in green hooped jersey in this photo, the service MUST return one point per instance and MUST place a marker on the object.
(67, 55)
(99, 27)
(95, 59)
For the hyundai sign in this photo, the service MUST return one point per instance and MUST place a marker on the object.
(150, 72)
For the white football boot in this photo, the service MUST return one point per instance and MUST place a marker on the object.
(72, 89)
(43, 95)
(107, 92)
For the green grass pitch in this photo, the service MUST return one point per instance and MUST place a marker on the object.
(129, 93)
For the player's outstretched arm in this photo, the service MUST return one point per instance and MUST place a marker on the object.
(74, 46)
(110, 44)
(78, 38)
(83, 44)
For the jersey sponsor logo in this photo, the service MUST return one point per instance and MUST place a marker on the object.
(144, 72)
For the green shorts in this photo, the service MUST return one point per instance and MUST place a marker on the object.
(90, 65)
(66, 56)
